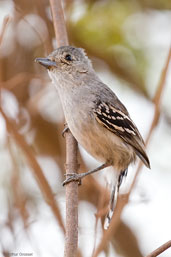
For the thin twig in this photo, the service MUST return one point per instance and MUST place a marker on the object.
(109, 233)
(2, 33)
(71, 241)
(160, 250)
(36, 169)
(18, 79)
(59, 23)
(122, 201)
(4, 26)
(156, 100)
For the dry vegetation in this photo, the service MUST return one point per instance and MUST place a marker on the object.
(30, 134)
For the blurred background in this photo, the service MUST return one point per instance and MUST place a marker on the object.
(128, 42)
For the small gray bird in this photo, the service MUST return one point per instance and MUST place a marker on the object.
(94, 114)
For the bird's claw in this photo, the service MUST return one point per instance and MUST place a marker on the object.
(72, 177)
(66, 129)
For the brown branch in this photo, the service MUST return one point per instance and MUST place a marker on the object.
(4, 26)
(156, 100)
(18, 79)
(122, 201)
(160, 250)
(36, 169)
(110, 232)
(158, 95)
(71, 241)
(59, 23)
(2, 33)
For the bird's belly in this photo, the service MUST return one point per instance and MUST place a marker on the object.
(102, 144)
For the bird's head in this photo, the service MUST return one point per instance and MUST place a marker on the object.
(66, 60)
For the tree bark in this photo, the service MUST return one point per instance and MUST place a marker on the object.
(71, 241)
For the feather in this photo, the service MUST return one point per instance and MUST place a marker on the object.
(121, 125)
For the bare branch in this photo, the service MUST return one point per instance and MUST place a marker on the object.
(122, 201)
(156, 100)
(2, 33)
(37, 172)
(59, 23)
(71, 241)
(18, 79)
(4, 26)
(160, 250)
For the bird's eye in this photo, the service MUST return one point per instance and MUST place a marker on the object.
(68, 57)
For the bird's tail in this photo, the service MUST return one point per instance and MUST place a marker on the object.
(113, 198)
(143, 156)
(112, 204)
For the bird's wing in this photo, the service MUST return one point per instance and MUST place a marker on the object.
(120, 124)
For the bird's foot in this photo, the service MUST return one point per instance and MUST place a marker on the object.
(66, 129)
(73, 177)
(78, 177)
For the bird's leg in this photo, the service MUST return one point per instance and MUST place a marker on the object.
(66, 129)
(78, 177)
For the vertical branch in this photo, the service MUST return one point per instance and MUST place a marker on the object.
(2, 33)
(4, 26)
(59, 23)
(71, 240)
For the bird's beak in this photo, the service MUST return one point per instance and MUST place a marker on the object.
(47, 63)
